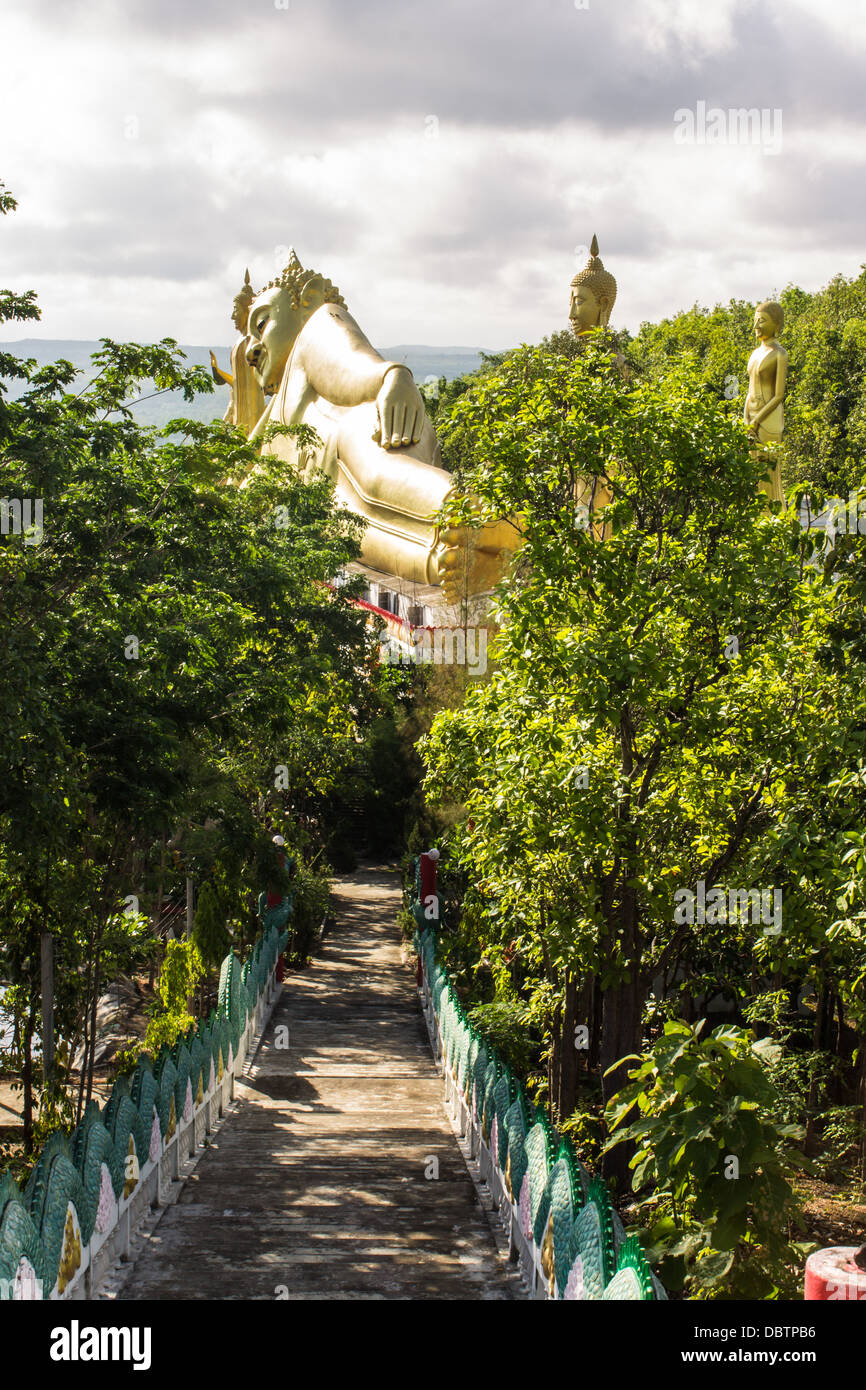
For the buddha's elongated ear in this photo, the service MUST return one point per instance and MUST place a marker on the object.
(312, 296)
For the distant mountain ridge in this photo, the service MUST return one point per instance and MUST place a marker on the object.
(424, 362)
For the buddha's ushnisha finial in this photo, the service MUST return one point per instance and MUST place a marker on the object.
(243, 299)
(296, 279)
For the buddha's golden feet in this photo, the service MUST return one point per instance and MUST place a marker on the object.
(469, 561)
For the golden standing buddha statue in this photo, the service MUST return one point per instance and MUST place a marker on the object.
(593, 295)
(247, 400)
(764, 412)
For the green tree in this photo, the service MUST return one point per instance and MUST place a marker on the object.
(173, 641)
(825, 336)
(654, 697)
(209, 929)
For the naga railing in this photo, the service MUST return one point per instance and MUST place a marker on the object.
(562, 1230)
(77, 1213)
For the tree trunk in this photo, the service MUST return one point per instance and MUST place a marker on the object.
(553, 1060)
(622, 1009)
(156, 915)
(622, 1012)
(47, 991)
(553, 1019)
(85, 1039)
(97, 980)
(597, 1012)
(820, 1032)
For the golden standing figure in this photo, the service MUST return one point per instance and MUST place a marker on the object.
(593, 295)
(247, 401)
(764, 411)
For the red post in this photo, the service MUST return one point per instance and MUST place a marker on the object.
(429, 860)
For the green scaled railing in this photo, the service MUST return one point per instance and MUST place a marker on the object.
(78, 1207)
(569, 1241)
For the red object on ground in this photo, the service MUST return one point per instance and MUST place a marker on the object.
(832, 1275)
(428, 878)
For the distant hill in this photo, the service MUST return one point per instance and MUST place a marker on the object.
(423, 361)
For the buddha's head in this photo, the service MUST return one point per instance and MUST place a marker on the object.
(593, 295)
(277, 316)
(769, 320)
(241, 305)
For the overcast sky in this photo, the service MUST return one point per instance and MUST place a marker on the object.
(445, 163)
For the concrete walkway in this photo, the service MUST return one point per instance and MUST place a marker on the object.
(316, 1186)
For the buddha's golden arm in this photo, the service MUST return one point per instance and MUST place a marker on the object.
(338, 360)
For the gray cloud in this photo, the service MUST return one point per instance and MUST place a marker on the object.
(324, 66)
(553, 123)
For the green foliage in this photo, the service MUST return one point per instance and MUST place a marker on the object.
(718, 1162)
(680, 701)
(181, 971)
(615, 658)
(311, 892)
(209, 930)
(56, 1110)
(825, 336)
(586, 1129)
(172, 641)
(126, 1058)
(842, 1144)
(509, 1027)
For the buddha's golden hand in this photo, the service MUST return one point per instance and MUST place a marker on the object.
(400, 410)
(751, 425)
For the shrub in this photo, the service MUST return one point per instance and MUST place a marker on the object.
(181, 971)
(507, 1026)
(311, 893)
(722, 1206)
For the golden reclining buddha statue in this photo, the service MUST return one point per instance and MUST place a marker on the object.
(302, 359)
